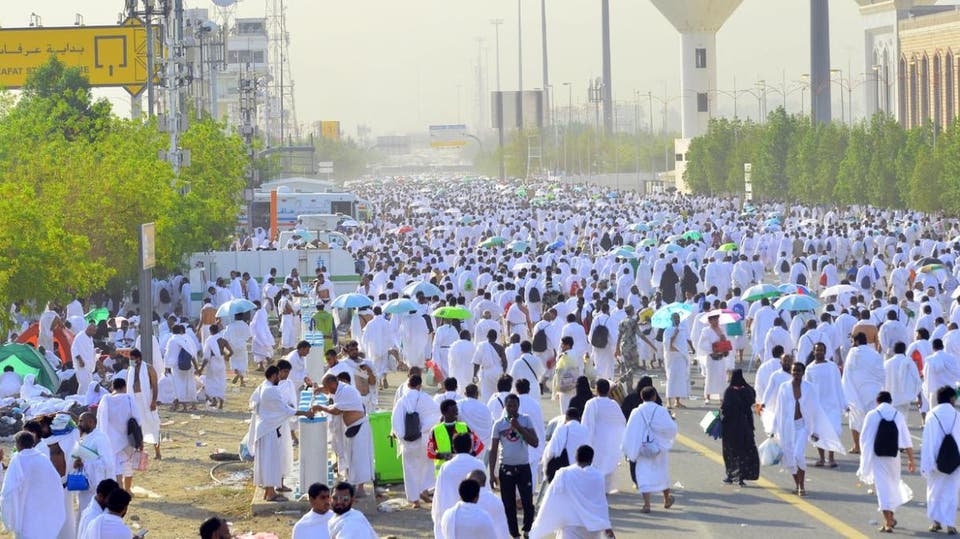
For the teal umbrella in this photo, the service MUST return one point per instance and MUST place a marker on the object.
(662, 318)
(622, 252)
(760, 291)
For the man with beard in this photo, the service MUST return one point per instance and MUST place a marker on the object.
(348, 523)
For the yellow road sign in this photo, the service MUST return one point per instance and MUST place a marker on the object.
(330, 130)
(107, 55)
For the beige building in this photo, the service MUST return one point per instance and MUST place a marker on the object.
(912, 49)
(928, 61)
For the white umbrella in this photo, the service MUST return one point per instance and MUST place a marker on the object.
(838, 289)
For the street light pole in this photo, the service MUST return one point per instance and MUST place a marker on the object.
(499, 102)
(566, 131)
(839, 73)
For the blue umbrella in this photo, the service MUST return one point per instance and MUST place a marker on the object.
(351, 301)
(791, 288)
(662, 318)
(612, 194)
(555, 245)
(797, 302)
(772, 221)
(235, 307)
(400, 305)
(670, 248)
(425, 287)
(638, 227)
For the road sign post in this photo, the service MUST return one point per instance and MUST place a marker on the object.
(147, 262)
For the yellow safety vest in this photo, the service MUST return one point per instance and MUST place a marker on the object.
(442, 438)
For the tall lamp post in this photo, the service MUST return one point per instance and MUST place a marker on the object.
(839, 73)
(496, 25)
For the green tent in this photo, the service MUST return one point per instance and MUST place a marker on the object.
(26, 360)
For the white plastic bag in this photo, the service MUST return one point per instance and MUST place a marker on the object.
(770, 452)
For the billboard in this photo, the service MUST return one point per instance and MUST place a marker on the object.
(516, 110)
(448, 136)
(330, 130)
(107, 55)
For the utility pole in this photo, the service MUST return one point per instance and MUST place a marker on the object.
(148, 13)
(520, 64)
(174, 121)
(547, 97)
(607, 82)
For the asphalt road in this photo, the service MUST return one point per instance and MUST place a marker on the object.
(836, 505)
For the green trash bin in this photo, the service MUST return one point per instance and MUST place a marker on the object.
(388, 466)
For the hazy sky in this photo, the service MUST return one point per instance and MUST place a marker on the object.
(399, 66)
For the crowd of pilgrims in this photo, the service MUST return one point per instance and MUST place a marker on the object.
(615, 305)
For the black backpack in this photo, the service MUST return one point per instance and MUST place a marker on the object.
(539, 341)
(184, 360)
(948, 456)
(600, 337)
(554, 464)
(865, 282)
(411, 426)
(533, 296)
(784, 266)
(802, 279)
(887, 441)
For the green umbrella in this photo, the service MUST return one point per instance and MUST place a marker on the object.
(728, 247)
(452, 313)
(648, 242)
(97, 315)
(692, 235)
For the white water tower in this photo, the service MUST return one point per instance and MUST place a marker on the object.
(698, 22)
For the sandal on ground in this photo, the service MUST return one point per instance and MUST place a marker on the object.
(884, 529)
(668, 503)
(645, 509)
(277, 498)
(801, 492)
(951, 530)
(832, 464)
(854, 452)
(818, 464)
(935, 527)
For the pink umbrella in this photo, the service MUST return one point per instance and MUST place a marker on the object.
(726, 316)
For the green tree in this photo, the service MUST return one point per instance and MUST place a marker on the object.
(769, 177)
(852, 174)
